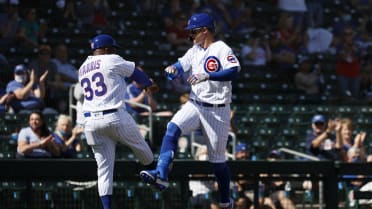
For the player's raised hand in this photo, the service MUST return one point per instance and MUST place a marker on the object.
(197, 78)
(171, 70)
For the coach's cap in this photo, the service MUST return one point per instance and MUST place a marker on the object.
(103, 40)
(241, 147)
(318, 119)
(20, 68)
(200, 20)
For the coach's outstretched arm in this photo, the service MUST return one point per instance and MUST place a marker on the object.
(140, 77)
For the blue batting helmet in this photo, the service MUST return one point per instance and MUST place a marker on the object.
(200, 20)
(102, 41)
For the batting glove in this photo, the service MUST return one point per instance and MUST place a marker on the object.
(171, 70)
(197, 78)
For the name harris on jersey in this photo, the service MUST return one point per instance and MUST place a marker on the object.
(89, 67)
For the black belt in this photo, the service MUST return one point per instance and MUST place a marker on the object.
(205, 104)
(104, 112)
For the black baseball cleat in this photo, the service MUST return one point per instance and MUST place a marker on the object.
(151, 177)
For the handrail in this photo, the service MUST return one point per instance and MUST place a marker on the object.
(148, 108)
(299, 154)
(228, 154)
(71, 104)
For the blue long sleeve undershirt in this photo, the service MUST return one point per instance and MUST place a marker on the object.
(141, 78)
(224, 75)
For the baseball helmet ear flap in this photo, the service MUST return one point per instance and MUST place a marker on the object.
(200, 20)
(103, 40)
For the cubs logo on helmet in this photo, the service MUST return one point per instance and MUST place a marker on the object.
(212, 64)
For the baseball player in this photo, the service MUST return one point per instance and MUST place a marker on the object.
(213, 66)
(106, 120)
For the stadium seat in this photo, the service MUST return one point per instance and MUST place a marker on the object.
(13, 194)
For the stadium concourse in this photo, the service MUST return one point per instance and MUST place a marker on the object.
(270, 112)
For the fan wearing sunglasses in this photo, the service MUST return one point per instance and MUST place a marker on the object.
(322, 141)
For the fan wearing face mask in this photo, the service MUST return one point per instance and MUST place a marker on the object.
(29, 91)
(67, 136)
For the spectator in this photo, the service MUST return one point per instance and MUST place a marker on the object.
(102, 13)
(240, 17)
(135, 93)
(5, 74)
(315, 13)
(30, 30)
(274, 193)
(202, 190)
(9, 23)
(306, 79)
(242, 152)
(348, 67)
(316, 40)
(366, 31)
(242, 188)
(289, 34)
(64, 13)
(343, 19)
(217, 9)
(36, 141)
(362, 6)
(295, 8)
(321, 142)
(5, 99)
(29, 92)
(179, 85)
(355, 153)
(184, 98)
(177, 36)
(366, 76)
(366, 187)
(283, 57)
(57, 92)
(85, 12)
(67, 72)
(356, 144)
(67, 136)
(256, 52)
(170, 8)
(93, 13)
